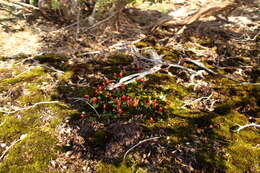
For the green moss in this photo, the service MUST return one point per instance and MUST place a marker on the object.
(122, 168)
(206, 41)
(211, 161)
(30, 99)
(66, 76)
(29, 76)
(242, 157)
(32, 154)
(223, 109)
(119, 59)
(143, 44)
(241, 153)
(15, 126)
(51, 58)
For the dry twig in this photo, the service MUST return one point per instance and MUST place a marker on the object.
(139, 143)
(245, 126)
(12, 144)
(211, 9)
(28, 107)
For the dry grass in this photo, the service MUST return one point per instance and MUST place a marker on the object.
(16, 37)
(23, 42)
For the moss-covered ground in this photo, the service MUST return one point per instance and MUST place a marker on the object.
(73, 123)
(209, 137)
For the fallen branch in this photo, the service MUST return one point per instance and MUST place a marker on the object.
(156, 60)
(245, 126)
(139, 143)
(191, 102)
(203, 100)
(28, 107)
(51, 68)
(197, 63)
(211, 9)
(12, 144)
(131, 78)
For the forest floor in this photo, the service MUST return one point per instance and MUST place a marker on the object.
(58, 113)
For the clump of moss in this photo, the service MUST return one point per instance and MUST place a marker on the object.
(240, 152)
(122, 168)
(119, 59)
(211, 161)
(32, 154)
(242, 157)
(23, 78)
(53, 60)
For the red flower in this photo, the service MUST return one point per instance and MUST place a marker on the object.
(94, 100)
(121, 74)
(135, 102)
(155, 103)
(115, 75)
(148, 103)
(118, 100)
(129, 101)
(120, 111)
(151, 120)
(86, 97)
(124, 97)
(160, 109)
(83, 115)
(137, 68)
(100, 88)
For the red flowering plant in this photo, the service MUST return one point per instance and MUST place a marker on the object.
(127, 101)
